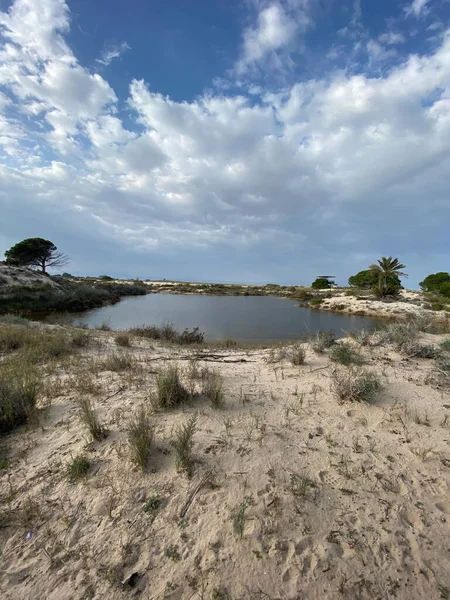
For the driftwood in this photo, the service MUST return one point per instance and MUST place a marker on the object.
(194, 492)
(205, 357)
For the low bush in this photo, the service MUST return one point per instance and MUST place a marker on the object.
(314, 302)
(343, 354)
(354, 385)
(413, 349)
(322, 340)
(169, 388)
(168, 333)
(122, 339)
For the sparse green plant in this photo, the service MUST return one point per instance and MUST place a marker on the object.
(78, 468)
(212, 388)
(169, 389)
(152, 504)
(322, 340)
(90, 419)
(122, 339)
(300, 484)
(354, 385)
(104, 326)
(239, 514)
(445, 345)
(220, 593)
(413, 349)
(173, 553)
(183, 443)
(140, 434)
(343, 353)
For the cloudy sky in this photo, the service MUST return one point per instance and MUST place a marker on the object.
(227, 140)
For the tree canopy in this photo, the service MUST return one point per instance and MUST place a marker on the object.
(434, 282)
(35, 252)
(386, 268)
(321, 283)
(368, 278)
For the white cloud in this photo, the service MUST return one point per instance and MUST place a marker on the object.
(391, 38)
(112, 52)
(418, 7)
(275, 30)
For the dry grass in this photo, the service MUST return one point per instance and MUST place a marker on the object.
(322, 340)
(118, 362)
(19, 387)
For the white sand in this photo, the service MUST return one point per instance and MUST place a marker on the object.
(376, 524)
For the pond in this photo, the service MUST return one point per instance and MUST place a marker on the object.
(249, 319)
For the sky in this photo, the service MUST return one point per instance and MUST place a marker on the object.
(240, 141)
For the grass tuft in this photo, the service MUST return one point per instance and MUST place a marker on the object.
(183, 443)
(78, 468)
(140, 436)
(168, 333)
(90, 419)
(169, 389)
(297, 355)
(212, 388)
(19, 386)
(354, 385)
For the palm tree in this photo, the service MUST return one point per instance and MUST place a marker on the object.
(388, 268)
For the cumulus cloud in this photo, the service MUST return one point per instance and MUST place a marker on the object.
(391, 38)
(112, 52)
(276, 28)
(332, 168)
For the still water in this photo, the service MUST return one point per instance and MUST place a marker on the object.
(242, 318)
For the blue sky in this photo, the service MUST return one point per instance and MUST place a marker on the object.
(246, 141)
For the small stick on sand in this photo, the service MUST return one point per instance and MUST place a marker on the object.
(193, 493)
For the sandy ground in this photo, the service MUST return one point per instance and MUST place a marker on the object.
(13, 276)
(342, 500)
(410, 304)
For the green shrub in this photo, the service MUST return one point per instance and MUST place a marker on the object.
(433, 282)
(344, 354)
(444, 290)
(168, 333)
(169, 389)
(314, 302)
(354, 385)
